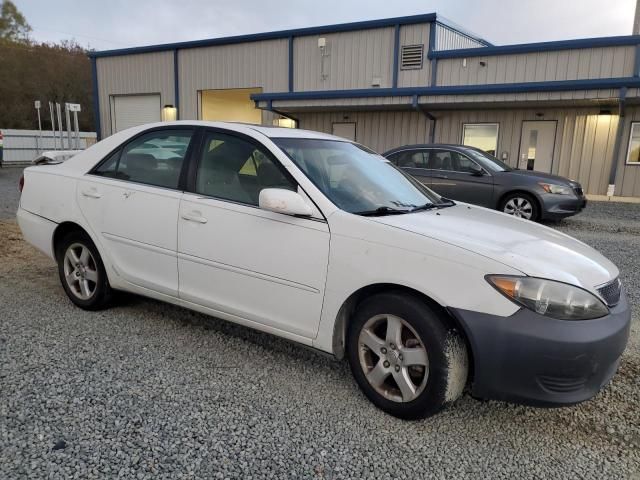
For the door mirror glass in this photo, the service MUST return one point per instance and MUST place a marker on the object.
(284, 201)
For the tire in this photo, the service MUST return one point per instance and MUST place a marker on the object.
(82, 272)
(521, 205)
(438, 382)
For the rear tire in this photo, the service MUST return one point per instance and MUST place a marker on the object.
(521, 205)
(404, 357)
(82, 272)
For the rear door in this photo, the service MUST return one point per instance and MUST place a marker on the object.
(131, 203)
(415, 163)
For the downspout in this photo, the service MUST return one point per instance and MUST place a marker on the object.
(618, 142)
(416, 106)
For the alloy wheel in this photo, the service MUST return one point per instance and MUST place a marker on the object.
(519, 207)
(393, 358)
(80, 271)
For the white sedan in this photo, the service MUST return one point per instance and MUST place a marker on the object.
(319, 240)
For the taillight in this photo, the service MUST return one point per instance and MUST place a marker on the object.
(21, 183)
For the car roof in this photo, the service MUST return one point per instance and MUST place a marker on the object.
(271, 132)
(451, 146)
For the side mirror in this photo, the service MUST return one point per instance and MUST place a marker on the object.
(284, 201)
(476, 170)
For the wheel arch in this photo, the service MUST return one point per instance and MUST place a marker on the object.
(349, 306)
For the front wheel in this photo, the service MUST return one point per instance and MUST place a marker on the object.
(82, 272)
(404, 357)
(520, 205)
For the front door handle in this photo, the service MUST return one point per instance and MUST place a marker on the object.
(441, 176)
(91, 193)
(193, 217)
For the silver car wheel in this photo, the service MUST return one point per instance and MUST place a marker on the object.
(80, 271)
(519, 207)
(393, 358)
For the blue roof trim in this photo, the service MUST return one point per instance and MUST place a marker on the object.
(555, 86)
(539, 47)
(297, 32)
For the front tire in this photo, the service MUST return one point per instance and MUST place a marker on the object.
(520, 205)
(82, 272)
(404, 357)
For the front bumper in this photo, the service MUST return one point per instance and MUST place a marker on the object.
(555, 207)
(535, 360)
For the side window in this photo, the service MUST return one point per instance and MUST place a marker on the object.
(234, 169)
(410, 159)
(461, 163)
(441, 160)
(154, 158)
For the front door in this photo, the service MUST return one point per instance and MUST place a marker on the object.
(537, 144)
(131, 204)
(233, 257)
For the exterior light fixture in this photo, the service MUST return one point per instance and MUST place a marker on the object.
(169, 113)
(284, 122)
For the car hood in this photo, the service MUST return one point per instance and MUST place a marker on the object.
(533, 249)
(544, 177)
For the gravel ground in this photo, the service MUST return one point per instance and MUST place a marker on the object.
(146, 389)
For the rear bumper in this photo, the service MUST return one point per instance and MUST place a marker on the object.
(555, 207)
(531, 359)
(37, 230)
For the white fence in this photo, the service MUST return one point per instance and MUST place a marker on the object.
(22, 146)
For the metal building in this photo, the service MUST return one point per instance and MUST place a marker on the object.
(567, 107)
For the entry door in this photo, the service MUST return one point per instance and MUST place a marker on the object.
(236, 258)
(345, 130)
(537, 144)
(131, 203)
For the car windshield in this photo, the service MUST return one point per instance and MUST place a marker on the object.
(489, 161)
(356, 179)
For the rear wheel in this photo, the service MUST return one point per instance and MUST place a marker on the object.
(82, 272)
(404, 357)
(520, 205)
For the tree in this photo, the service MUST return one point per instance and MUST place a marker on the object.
(13, 26)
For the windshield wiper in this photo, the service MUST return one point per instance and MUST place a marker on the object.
(426, 206)
(380, 211)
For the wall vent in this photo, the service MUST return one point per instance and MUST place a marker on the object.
(411, 57)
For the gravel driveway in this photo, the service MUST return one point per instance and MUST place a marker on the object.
(146, 389)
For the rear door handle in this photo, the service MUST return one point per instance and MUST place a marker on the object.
(194, 217)
(91, 193)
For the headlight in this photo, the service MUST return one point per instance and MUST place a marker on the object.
(554, 188)
(550, 298)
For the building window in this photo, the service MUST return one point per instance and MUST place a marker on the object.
(481, 135)
(633, 155)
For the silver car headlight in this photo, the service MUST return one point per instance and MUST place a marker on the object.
(549, 298)
(557, 189)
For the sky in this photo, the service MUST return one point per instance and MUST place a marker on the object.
(112, 24)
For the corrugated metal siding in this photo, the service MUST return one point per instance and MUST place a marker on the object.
(380, 131)
(354, 59)
(583, 148)
(580, 64)
(628, 176)
(244, 65)
(449, 39)
(569, 97)
(133, 74)
(584, 139)
(415, 35)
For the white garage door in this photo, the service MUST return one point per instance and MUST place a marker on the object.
(132, 110)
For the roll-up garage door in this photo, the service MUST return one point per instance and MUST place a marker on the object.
(132, 110)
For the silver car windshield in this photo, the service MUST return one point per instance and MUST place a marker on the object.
(356, 179)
